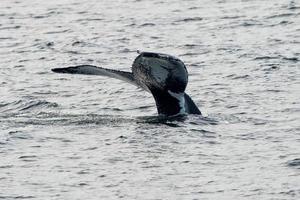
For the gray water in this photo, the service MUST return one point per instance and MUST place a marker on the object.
(87, 137)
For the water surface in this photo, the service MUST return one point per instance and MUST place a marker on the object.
(86, 137)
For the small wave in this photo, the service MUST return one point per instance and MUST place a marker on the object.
(266, 57)
(18, 135)
(3, 104)
(38, 104)
(294, 163)
(205, 133)
(25, 105)
(89, 19)
(233, 17)
(77, 43)
(271, 67)
(274, 90)
(294, 7)
(251, 23)
(56, 32)
(194, 8)
(294, 59)
(10, 27)
(147, 24)
(189, 54)
(190, 46)
(201, 120)
(39, 16)
(50, 44)
(6, 38)
(235, 76)
(17, 197)
(28, 158)
(282, 15)
(190, 19)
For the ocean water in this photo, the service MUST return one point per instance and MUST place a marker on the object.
(89, 137)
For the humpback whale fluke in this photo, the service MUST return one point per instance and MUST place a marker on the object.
(164, 76)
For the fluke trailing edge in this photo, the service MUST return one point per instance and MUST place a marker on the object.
(164, 76)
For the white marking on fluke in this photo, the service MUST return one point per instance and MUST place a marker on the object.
(180, 98)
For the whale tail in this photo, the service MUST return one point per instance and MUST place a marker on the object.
(99, 71)
(167, 102)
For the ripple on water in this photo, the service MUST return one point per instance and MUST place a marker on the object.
(16, 197)
(283, 15)
(190, 19)
(12, 135)
(25, 105)
(147, 25)
(295, 163)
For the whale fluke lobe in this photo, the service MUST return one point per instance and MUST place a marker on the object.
(99, 71)
(163, 75)
(190, 106)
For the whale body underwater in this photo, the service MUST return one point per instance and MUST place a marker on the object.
(163, 75)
